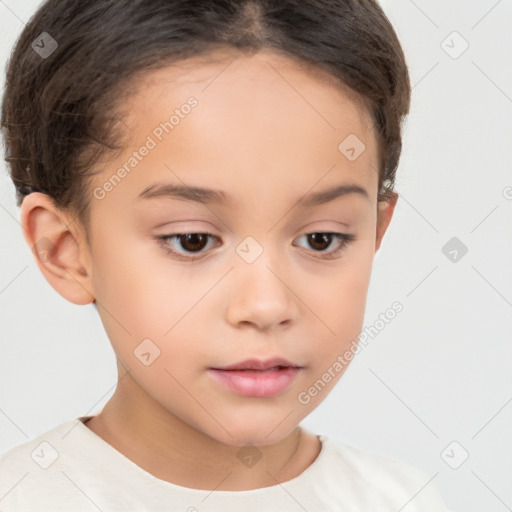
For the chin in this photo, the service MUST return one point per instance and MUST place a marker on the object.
(254, 432)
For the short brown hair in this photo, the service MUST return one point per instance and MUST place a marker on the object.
(59, 112)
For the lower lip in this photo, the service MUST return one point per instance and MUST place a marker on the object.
(254, 383)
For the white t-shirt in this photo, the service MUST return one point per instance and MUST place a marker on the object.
(72, 469)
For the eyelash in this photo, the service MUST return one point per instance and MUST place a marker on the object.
(344, 238)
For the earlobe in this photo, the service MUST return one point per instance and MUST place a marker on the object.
(58, 247)
(385, 211)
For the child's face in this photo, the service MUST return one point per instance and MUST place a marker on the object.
(266, 134)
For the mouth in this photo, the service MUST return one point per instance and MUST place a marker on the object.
(257, 378)
(260, 364)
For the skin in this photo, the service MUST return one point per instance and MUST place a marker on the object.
(266, 131)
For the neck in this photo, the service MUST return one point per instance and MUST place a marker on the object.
(173, 450)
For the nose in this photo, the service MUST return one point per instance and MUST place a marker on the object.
(262, 295)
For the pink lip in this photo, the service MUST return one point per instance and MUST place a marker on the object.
(256, 383)
(258, 364)
(256, 378)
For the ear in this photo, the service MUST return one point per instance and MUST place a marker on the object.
(59, 247)
(385, 211)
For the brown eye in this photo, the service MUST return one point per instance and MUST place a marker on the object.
(185, 245)
(193, 241)
(320, 243)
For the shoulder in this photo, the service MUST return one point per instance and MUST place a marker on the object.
(372, 465)
(40, 451)
(31, 472)
(383, 479)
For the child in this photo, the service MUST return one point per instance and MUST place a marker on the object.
(215, 177)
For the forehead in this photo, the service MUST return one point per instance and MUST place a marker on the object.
(262, 122)
(233, 84)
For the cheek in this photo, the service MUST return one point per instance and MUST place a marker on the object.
(340, 299)
(340, 304)
(150, 305)
(344, 292)
(134, 280)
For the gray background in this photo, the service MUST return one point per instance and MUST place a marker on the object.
(441, 370)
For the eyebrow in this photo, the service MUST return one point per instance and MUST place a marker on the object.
(208, 196)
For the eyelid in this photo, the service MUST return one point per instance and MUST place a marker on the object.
(192, 226)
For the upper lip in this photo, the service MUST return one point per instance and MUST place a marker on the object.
(259, 364)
